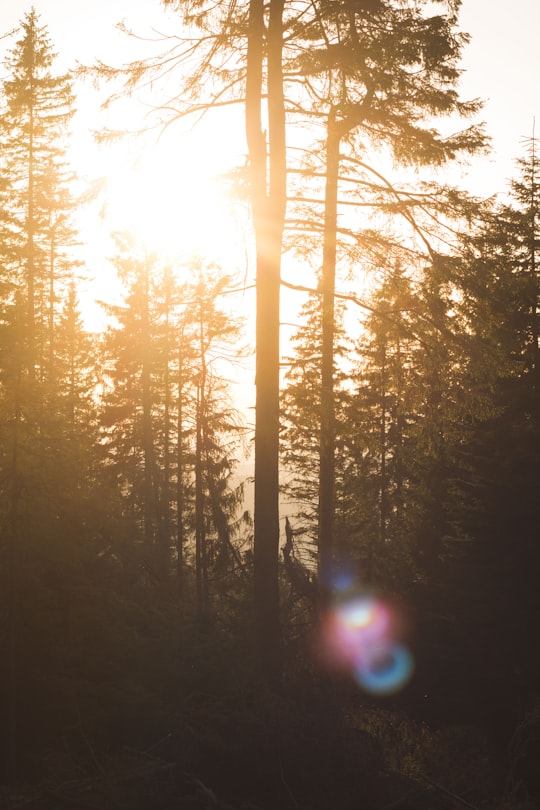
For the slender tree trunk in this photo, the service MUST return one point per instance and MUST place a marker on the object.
(201, 570)
(52, 258)
(180, 477)
(148, 439)
(30, 258)
(13, 591)
(400, 429)
(534, 285)
(166, 529)
(327, 427)
(268, 206)
(201, 566)
(383, 495)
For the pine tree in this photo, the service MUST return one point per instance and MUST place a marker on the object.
(134, 377)
(38, 108)
(300, 407)
(169, 431)
(376, 71)
(218, 434)
(499, 283)
(46, 434)
(427, 381)
(382, 411)
(521, 226)
(373, 73)
(39, 245)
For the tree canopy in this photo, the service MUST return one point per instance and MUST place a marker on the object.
(326, 596)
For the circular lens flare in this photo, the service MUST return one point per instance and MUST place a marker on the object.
(364, 618)
(384, 670)
(359, 635)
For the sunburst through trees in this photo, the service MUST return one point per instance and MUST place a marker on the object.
(144, 610)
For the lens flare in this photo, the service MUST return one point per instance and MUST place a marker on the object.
(385, 669)
(359, 635)
(365, 619)
(343, 581)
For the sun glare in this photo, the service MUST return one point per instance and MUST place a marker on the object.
(170, 194)
(173, 202)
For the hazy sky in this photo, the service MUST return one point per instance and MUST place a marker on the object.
(502, 62)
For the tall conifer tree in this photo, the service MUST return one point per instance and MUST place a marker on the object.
(40, 382)
(38, 108)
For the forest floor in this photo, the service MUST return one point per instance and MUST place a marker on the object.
(277, 755)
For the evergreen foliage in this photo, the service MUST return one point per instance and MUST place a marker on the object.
(170, 433)
(130, 675)
(301, 404)
(48, 428)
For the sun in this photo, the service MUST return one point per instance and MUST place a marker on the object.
(171, 194)
(172, 198)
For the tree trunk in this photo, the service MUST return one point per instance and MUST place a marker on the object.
(30, 257)
(400, 434)
(165, 498)
(534, 286)
(51, 376)
(148, 439)
(13, 590)
(327, 427)
(201, 555)
(201, 572)
(383, 493)
(268, 206)
(180, 479)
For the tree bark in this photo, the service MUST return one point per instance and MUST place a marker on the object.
(268, 199)
(383, 490)
(179, 477)
(327, 426)
(148, 438)
(534, 284)
(30, 255)
(165, 523)
(12, 725)
(201, 570)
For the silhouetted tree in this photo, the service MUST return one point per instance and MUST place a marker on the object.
(153, 390)
(38, 108)
(301, 416)
(375, 72)
(498, 279)
(46, 436)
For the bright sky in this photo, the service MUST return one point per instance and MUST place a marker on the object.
(501, 64)
(177, 181)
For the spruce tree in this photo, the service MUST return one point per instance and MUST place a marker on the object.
(37, 109)
(169, 430)
(499, 280)
(373, 73)
(301, 417)
(46, 433)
